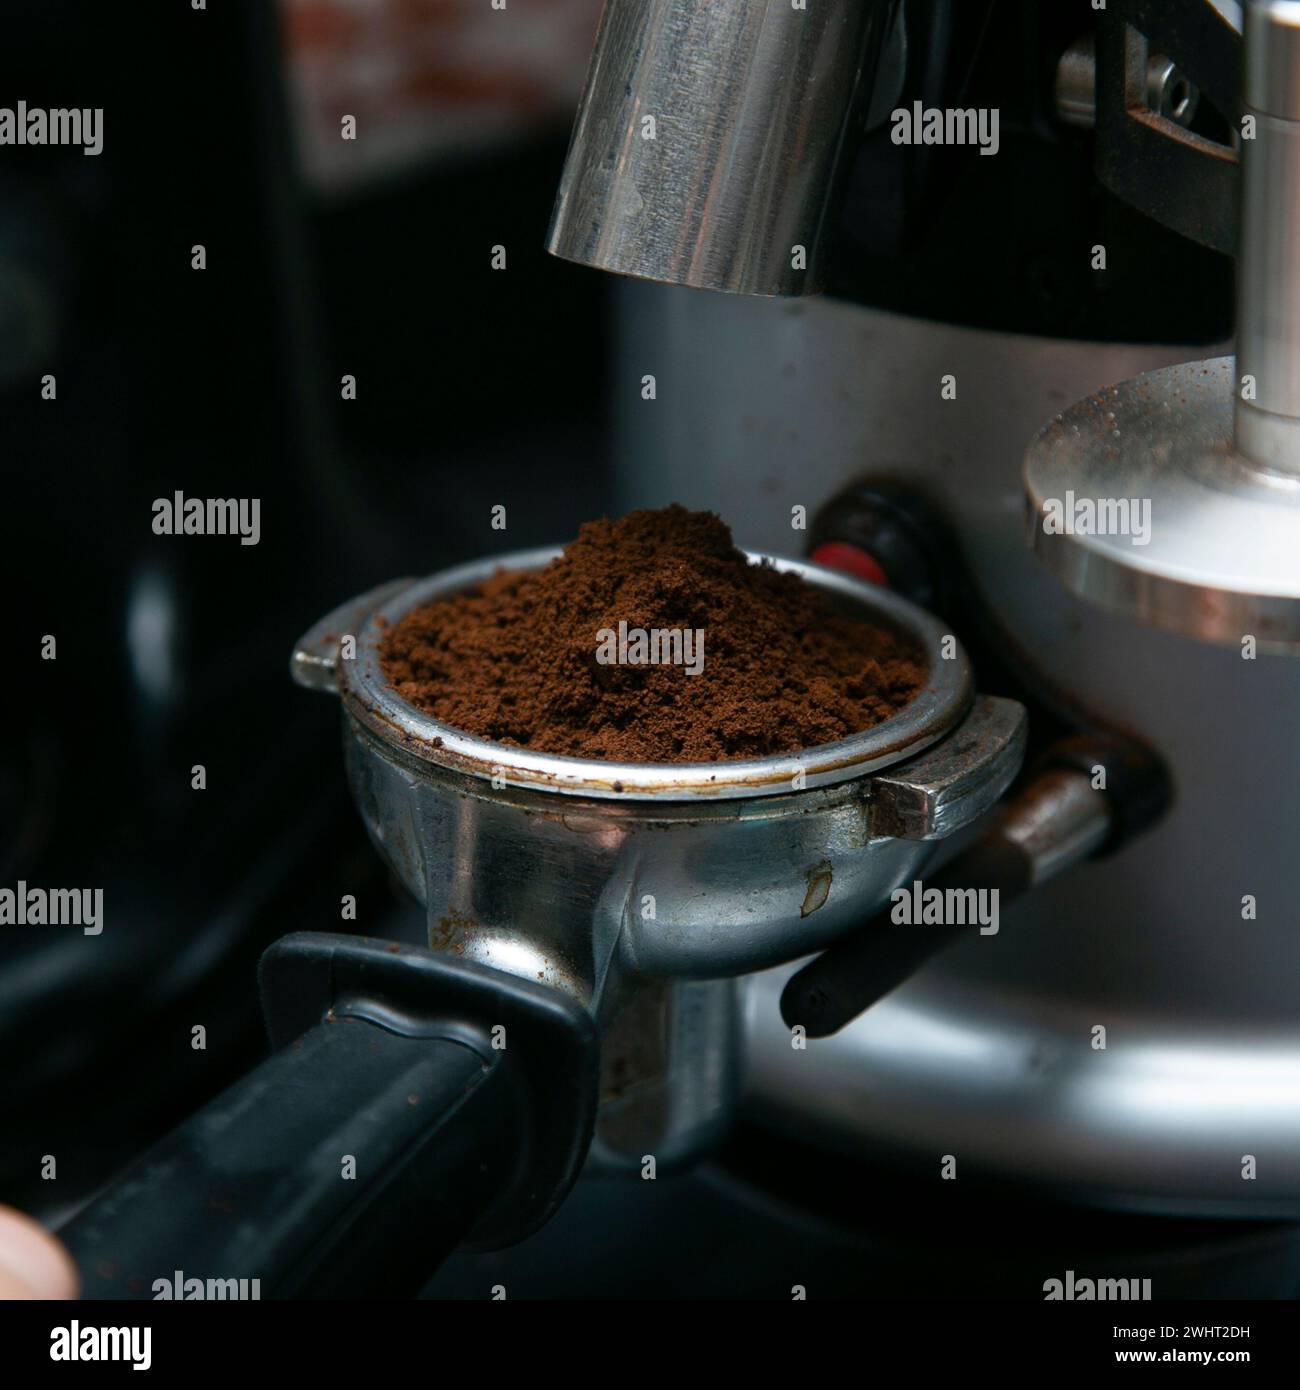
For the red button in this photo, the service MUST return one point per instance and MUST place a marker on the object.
(852, 559)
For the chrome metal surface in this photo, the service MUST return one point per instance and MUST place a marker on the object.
(1268, 267)
(1076, 83)
(557, 888)
(1169, 93)
(942, 791)
(1272, 57)
(1159, 1121)
(670, 1074)
(709, 140)
(941, 703)
(1222, 559)
(315, 660)
(1057, 822)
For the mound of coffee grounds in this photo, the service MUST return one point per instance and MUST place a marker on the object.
(519, 659)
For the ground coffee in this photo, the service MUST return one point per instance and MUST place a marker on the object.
(540, 659)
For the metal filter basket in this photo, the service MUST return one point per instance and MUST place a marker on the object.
(541, 865)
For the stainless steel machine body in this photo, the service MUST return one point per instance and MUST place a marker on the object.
(764, 407)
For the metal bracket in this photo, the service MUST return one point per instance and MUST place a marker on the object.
(1183, 181)
(315, 660)
(955, 782)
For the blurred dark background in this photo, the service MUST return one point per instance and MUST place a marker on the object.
(472, 385)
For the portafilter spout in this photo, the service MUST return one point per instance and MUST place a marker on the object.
(711, 139)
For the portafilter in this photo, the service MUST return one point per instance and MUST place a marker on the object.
(586, 921)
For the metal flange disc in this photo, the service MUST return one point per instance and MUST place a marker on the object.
(1139, 502)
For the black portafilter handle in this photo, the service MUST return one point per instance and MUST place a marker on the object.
(1058, 817)
(415, 1103)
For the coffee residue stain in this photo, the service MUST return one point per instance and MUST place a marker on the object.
(452, 932)
(819, 888)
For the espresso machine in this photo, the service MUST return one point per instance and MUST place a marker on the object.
(892, 286)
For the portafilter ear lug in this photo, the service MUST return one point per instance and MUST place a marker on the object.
(931, 796)
(315, 659)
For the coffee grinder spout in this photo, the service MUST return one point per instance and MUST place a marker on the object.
(711, 140)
